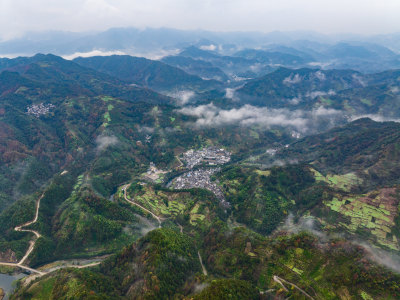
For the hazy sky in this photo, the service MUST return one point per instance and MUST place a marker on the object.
(327, 16)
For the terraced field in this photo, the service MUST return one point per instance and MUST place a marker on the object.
(374, 212)
(342, 182)
(171, 204)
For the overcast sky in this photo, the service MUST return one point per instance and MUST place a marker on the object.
(326, 16)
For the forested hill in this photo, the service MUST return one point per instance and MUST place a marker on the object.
(149, 73)
(49, 107)
(368, 148)
(263, 188)
(65, 78)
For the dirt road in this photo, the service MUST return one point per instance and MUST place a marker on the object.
(124, 188)
(201, 263)
(281, 281)
(32, 243)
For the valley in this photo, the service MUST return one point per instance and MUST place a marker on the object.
(130, 178)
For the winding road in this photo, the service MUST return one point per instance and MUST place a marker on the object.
(124, 188)
(32, 243)
(37, 234)
(281, 281)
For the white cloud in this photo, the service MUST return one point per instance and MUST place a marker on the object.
(302, 121)
(379, 256)
(292, 79)
(375, 117)
(155, 55)
(230, 93)
(359, 79)
(323, 65)
(382, 257)
(182, 97)
(395, 89)
(295, 100)
(316, 94)
(209, 47)
(320, 75)
(145, 129)
(93, 53)
(257, 67)
(104, 141)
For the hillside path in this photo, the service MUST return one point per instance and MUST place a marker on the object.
(280, 280)
(124, 188)
(32, 243)
(201, 263)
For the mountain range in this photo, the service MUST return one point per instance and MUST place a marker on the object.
(208, 174)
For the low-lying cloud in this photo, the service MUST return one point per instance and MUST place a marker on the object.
(104, 141)
(230, 93)
(247, 115)
(320, 75)
(322, 65)
(257, 67)
(375, 117)
(304, 224)
(92, 53)
(308, 224)
(316, 94)
(382, 257)
(182, 97)
(144, 225)
(209, 47)
(155, 55)
(145, 129)
(359, 79)
(295, 100)
(292, 79)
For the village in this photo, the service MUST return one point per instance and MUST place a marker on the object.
(201, 178)
(211, 156)
(38, 110)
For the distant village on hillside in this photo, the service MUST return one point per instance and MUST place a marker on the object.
(38, 110)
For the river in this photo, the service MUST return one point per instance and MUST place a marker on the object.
(6, 282)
